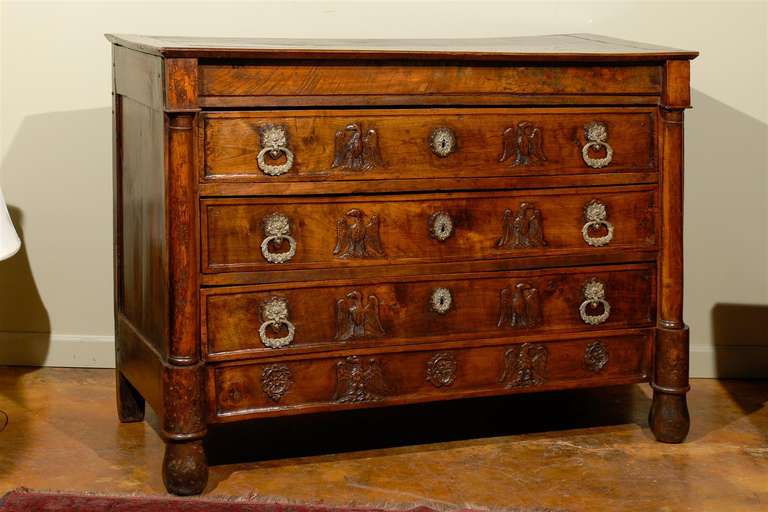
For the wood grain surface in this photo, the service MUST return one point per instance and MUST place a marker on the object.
(237, 391)
(233, 229)
(231, 316)
(231, 143)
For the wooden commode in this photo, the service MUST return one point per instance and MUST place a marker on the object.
(306, 226)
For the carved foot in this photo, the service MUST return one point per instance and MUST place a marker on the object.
(185, 471)
(669, 418)
(130, 403)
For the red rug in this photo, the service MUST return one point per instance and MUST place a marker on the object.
(23, 500)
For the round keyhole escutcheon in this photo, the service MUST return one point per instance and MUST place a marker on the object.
(442, 141)
(440, 226)
(441, 300)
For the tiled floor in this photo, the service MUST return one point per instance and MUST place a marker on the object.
(587, 450)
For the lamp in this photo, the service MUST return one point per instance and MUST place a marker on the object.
(9, 240)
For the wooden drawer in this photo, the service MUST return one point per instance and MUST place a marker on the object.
(368, 378)
(279, 234)
(423, 81)
(257, 321)
(333, 145)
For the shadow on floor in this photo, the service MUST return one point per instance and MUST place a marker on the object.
(354, 434)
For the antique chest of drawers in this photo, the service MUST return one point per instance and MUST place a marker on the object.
(306, 226)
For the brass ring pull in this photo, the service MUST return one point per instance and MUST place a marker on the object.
(275, 314)
(276, 229)
(594, 293)
(597, 138)
(274, 141)
(596, 216)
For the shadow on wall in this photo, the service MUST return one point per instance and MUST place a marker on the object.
(24, 324)
(726, 266)
(21, 309)
(57, 171)
(740, 337)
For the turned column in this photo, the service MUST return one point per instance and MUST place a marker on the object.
(669, 418)
(185, 470)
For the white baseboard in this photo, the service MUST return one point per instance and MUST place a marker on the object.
(84, 351)
(66, 350)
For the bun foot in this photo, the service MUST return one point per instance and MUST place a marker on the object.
(669, 418)
(185, 470)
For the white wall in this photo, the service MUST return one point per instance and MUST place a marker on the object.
(56, 167)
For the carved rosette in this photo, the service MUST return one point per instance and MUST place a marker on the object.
(441, 369)
(276, 380)
(520, 307)
(524, 143)
(596, 356)
(356, 238)
(356, 319)
(522, 229)
(525, 365)
(354, 151)
(359, 380)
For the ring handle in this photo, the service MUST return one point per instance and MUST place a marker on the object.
(274, 141)
(271, 169)
(276, 229)
(278, 257)
(596, 216)
(594, 294)
(274, 312)
(277, 342)
(597, 138)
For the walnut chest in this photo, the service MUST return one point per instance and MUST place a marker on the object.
(306, 226)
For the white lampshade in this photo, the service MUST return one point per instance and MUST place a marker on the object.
(9, 240)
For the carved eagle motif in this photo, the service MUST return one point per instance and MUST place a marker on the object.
(359, 381)
(357, 239)
(524, 143)
(525, 365)
(521, 307)
(354, 151)
(355, 320)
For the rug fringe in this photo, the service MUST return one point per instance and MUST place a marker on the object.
(256, 498)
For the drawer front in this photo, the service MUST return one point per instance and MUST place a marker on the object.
(323, 145)
(259, 321)
(369, 379)
(340, 82)
(341, 232)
